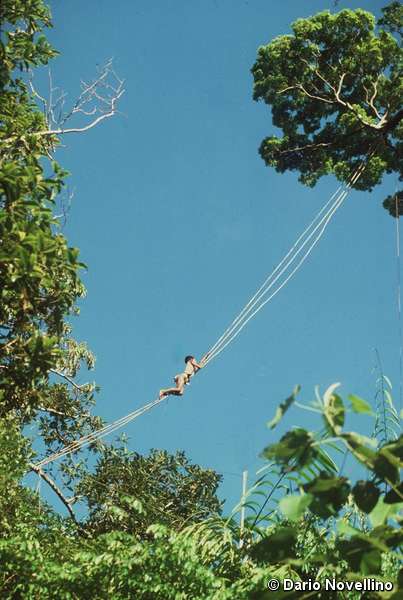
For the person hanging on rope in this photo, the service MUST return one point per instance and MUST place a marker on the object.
(182, 379)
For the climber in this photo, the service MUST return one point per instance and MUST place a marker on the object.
(182, 379)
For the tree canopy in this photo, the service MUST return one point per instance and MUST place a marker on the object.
(40, 360)
(171, 491)
(334, 87)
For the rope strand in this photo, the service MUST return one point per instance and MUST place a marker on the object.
(237, 325)
(284, 259)
(246, 314)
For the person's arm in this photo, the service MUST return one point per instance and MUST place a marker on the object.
(196, 364)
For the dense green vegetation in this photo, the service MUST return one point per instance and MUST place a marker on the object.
(335, 89)
(153, 526)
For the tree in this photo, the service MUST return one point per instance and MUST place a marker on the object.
(39, 271)
(130, 492)
(335, 87)
(39, 287)
(320, 524)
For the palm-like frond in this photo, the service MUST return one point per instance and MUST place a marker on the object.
(387, 426)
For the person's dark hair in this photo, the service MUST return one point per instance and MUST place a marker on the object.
(188, 358)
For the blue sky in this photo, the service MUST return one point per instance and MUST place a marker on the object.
(179, 222)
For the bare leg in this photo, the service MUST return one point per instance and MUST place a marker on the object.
(170, 392)
(174, 391)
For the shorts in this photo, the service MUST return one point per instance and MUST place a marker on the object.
(181, 379)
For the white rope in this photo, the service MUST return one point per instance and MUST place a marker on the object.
(296, 268)
(267, 280)
(246, 314)
(92, 437)
(110, 428)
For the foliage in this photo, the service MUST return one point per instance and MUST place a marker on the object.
(391, 203)
(332, 527)
(38, 270)
(387, 426)
(129, 492)
(326, 527)
(334, 86)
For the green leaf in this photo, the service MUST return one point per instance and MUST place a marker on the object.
(278, 546)
(334, 411)
(371, 562)
(295, 447)
(345, 528)
(329, 494)
(293, 507)
(360, 555)
(283, 407)
(359, 405)
(366, 495)
(394, 496)
(382, 512)
(386, 466)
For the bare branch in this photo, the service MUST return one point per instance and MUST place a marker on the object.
(65, 205)
(56, 489)
(69, 379)
(286, 89)
(77, 129)
(325, 80)
(299, 86)
(302, 148)
(370, 102)
(61, 437)
(338, 92)
(36, 93)
(321, 77)
(52, 411)
(97, 100)
(9, 344)
(317, 145)
(316, 97)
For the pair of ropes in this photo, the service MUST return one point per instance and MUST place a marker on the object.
(277, 279)
(90, 438)
(303, 246)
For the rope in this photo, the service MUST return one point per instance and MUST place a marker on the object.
(267, 280)
(399, 306)
(298, 266)
(247, 313)
(94, 436)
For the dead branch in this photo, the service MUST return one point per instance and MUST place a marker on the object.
(75, 385)
(56, 490)
(299, 86)
(65, 205)
(9, 344)
(306, 147)
(52, 411)
(97, 100)
(339, 87)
